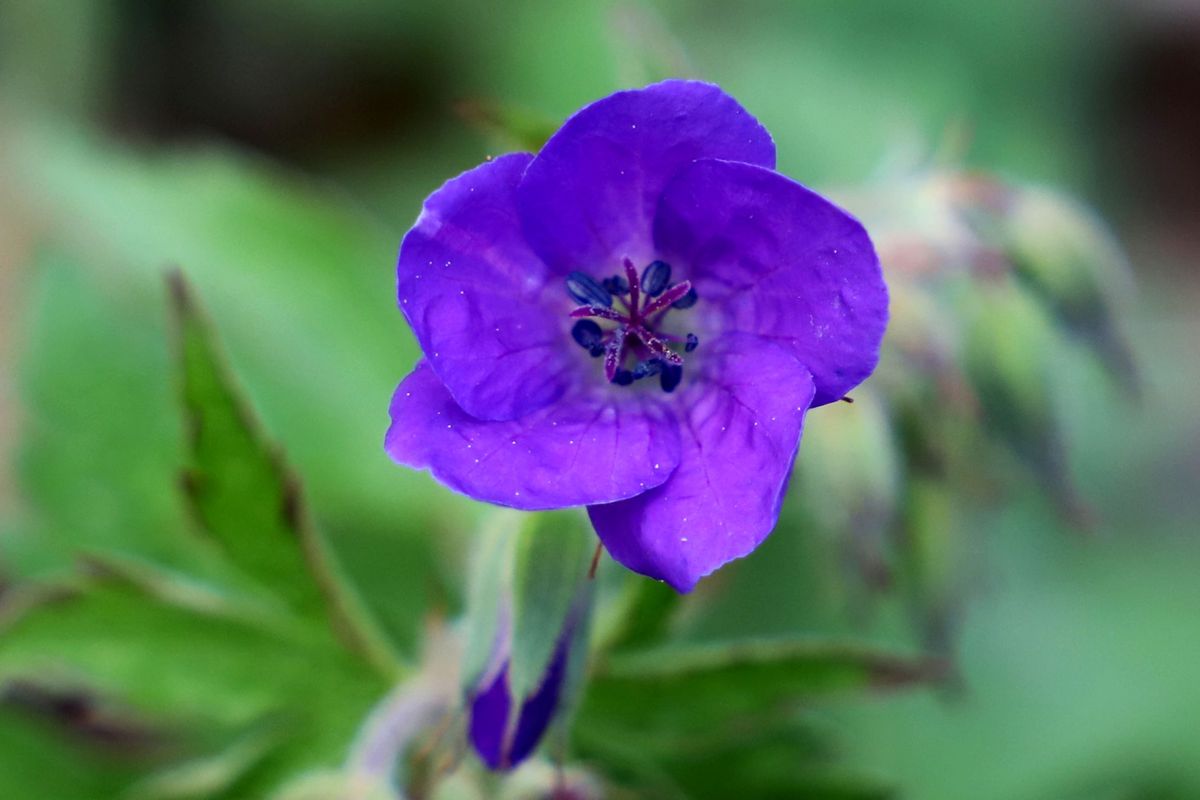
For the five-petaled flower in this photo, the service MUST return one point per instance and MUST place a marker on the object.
(635, 319)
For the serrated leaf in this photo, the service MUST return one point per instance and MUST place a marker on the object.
(246, 498)
(110, 637)
(551, 559)
(190, 671)
(296, 275)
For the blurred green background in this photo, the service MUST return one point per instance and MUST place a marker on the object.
(277, 151)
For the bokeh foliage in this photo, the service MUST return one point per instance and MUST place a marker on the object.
(992, 498)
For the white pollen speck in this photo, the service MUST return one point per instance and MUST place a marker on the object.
(418, 277)
(477, 461)
(460, 291)
(656, 466)
(683, 538)
(448, 426)
(571, 441)
(514, 441)
(516, 494)
(447, 263)
(633, 126)
(408, 394)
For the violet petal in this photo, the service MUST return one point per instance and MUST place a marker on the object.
(595, 445)
(588, 198)
(475, 296)
(774, 259)
(744, 418)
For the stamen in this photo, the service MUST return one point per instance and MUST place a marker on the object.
(613, 354)
(585, 291)
(670, 377)
(596, 311)
(655, 345)
(616, 285)
(660, 353)
(645, 369)
(586, 334)
(631, 276)
(655, 278)
(669, 297)
(687, 301)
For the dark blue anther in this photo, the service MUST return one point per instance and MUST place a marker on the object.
(687, 301)
(670, 377)
(655, 278)
(585, 291)
(693, 341)
(616, 284)
(645, 369)
(587, 334)
(623, 377)
(596, 350)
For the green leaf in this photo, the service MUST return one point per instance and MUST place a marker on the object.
(99, 445)
(192, 668)
(108, 636)
(705, 684)
(212, 775)
(38, 761)
(246, 498)
(296, 275)
(551, 559)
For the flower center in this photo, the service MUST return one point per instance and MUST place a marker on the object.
(620, 318)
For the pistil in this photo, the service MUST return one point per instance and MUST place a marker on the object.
(635, 322)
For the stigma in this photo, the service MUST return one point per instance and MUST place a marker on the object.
(619, 318)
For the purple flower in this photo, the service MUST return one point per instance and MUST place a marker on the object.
(636, 319)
